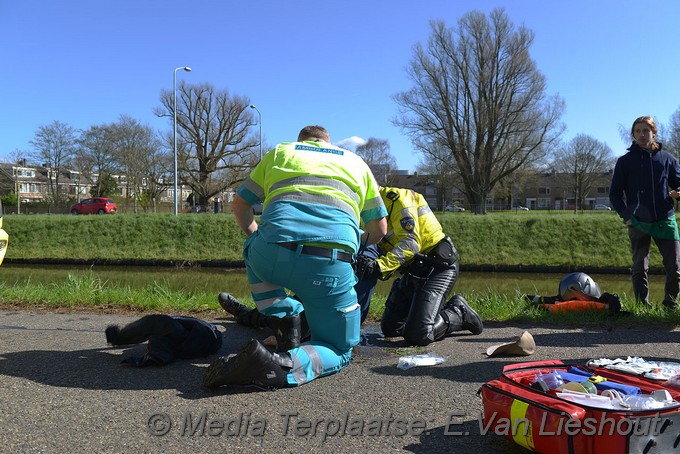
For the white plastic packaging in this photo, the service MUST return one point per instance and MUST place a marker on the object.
(674, 382)
(425, 359)
(553, 380)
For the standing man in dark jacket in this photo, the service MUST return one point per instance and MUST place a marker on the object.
(644, 183)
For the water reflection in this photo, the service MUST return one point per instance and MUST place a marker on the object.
(214, 280)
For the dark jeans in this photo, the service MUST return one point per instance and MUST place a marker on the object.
(366, 287)
(670, 252)
(170, 337)
(416, 298)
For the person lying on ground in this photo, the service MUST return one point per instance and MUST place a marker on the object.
(169, 337)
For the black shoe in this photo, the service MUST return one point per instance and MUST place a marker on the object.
(669, 306)
(231, 304)
(288, 331)
(471, 321)
(111, 333)
(252, 318)
(253, 365)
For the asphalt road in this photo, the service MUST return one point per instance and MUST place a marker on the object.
(62, 389)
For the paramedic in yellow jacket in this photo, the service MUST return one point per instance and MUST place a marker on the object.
(315, 197)
(416, 247)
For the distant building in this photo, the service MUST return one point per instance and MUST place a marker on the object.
(33, 184)
(536, 191)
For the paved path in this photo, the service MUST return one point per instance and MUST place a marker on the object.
(63, 390)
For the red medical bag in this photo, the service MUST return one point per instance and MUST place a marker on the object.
(541, 421)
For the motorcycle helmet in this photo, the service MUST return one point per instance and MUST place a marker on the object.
(579, 286)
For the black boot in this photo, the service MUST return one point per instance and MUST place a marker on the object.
(244, 315)
(252, 318)
(457, 315)
(111, 333)
(287, 330)
(253, 365)
(230, 304)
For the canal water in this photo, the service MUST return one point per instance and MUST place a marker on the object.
(215, 280)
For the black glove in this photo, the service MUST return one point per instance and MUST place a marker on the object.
(612, 300)
(366, 268)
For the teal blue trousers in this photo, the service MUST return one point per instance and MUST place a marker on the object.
(325, 285)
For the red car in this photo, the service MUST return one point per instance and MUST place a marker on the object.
(95, 205)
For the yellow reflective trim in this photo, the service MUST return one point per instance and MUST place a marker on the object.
(521, 429)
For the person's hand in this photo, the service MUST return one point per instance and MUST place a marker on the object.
(366, 267)
(674, 193)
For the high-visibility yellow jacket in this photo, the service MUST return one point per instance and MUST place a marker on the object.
(411, 228)
(313, 192)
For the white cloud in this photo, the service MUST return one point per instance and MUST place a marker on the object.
(351, 143)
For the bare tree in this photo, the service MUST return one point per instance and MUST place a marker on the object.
(478, 94)
(96, 155)
(215, 145)
(96, 152)
(376, 153)
(672, 139)
(443, 172)
(584, 159)
(55, 146)
(8, 180)
(137, 153)
(155, 166)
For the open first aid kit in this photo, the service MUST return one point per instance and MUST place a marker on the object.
(607, 406)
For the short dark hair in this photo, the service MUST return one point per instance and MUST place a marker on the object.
(314, 133)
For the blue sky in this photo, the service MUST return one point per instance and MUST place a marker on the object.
(328, 62)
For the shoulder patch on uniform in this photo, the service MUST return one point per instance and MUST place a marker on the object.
(408, 224)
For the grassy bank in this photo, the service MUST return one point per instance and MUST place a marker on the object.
(500, 239)
(593, 240)
(92, 293)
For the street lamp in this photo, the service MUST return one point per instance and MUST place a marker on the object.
(252, 106)
(174, 135)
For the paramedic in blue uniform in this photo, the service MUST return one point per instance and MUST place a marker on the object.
(316, 196)
(418, 307)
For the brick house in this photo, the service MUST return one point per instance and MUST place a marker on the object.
(537, 191)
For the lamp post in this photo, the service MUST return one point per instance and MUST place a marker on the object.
(174, 134)
(259, 114)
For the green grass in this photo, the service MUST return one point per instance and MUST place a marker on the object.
(125, 237)
(498, 239)
(90, 292)
(540, 239)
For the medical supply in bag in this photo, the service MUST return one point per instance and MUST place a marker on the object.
(628, 413)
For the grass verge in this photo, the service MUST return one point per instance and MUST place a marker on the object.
(90, 292)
